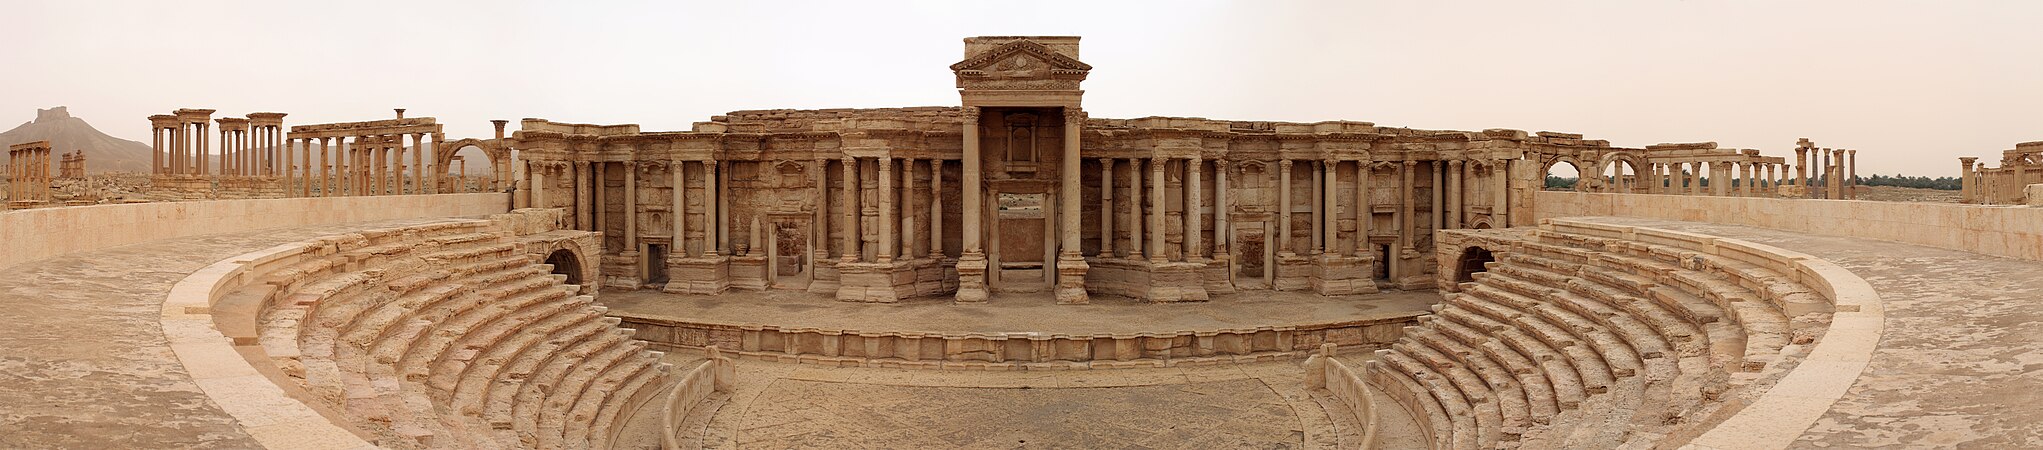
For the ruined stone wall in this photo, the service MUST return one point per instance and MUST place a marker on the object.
(2014, 232)
(35, 234)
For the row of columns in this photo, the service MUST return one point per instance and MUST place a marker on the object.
(180, 146)
(1836, 170)
(371, 165)
(251, 150)
(894, 209)
(1686, 178)
(28, 172)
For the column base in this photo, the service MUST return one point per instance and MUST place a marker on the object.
(1071, 269)
(825, 279)
(621, 270)
(875, 282)
(1218, 274)
(1343, 275)
(1294, 272)
(708, 275)
(748, 272)
(1175, 282)
(971, 278)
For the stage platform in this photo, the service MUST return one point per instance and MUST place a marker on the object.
(1017, 331)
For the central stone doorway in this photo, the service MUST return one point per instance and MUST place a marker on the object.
(1023, 253)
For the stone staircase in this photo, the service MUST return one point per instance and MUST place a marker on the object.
(1581, 341)
(450, 336)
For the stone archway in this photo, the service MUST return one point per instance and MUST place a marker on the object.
(1612, 170)
(499, 159)
(1472, 260)
(565, 262)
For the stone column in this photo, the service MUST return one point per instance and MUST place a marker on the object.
(1156, 210)
(630, 208)
(885, 253)
(1802, 168)
(1440, 194)
(1193, 227)
(1319, 206)
(1454, 174)
(418, 164)
(1968, 192)
(819, 228)
(1500, 212)
(849, 193)
(1135, 236)
(1284, 208)
(972, 260)
(1695, 187)
(1223, 234)
(1329, 207)
(678, 242)
(155, 149)
(718, 208)
(936, 209)
(582, 197)
(1851, 179)
(1071, 265)
(1106, 207)
(1363, 210)
(305, 170)
(1405, 220)
(1745, 182)
(326, 172)
(907, 208)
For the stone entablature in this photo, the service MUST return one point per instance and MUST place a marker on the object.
(2008, 184)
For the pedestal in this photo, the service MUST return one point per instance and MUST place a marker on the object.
(1342, 275)
(876, 282)
(622, 271)
(971, 278)
(706, 275)
(1217, 273)
(748, 272)
(1294, 272)
(1173, 282)
(1071, 270)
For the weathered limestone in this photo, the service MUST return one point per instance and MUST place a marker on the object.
(2007, 184)
(28, 175)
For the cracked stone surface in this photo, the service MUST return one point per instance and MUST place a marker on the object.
(86, 364)
(1961, 361)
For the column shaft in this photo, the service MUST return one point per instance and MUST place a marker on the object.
(1193, 226)
(677, 240)
(936, 209)
(1454, 175)
(1284, 207)
(1106, 207)
(1156, 210)
(1363, 210)
(1135, 217)
(849, 191)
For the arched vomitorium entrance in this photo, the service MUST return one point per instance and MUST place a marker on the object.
(565, 262)
(1472, 260)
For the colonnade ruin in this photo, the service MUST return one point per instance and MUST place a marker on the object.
(2013, 183)
(259, 158)
(28, 175)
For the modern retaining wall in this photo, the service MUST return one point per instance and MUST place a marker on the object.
(33, 234)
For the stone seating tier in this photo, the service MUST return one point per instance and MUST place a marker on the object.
(451, 335)
(1580, 341)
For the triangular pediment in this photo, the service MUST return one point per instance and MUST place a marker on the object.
(1020, 54)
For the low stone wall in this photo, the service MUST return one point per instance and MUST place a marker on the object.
(717, 374)
(1322, 371)
(1015, 350)
(2009, 231)
(35, 234)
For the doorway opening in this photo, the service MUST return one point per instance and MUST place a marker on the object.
(1472, 261)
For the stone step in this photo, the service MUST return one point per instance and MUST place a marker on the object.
(1554, 365)
(540, 401)
(1595, 371)
(1460, 415)
(463, 337)
(1510, 396)
(481, 379)
(499, 400)
(1430, 413)
(1481, 400)
(580, 413)
(1532, 381)
(618, 405)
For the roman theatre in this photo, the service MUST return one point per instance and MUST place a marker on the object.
(1009, 272)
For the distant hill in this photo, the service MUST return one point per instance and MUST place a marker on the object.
(67, 134)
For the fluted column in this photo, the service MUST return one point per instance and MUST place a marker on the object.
(1363, 210)
(886, 195)
(1193, 227)
(819, 224)
(1454, 206)
(1135, 236)
(1319, 206)
(1223, 235)
(1106, 207)
(1156, 210)
(936, 209)
(718, 207)
(1440, 193)
(908, 238)
(1074, 122)
(1284, 207)
(1405, 219)
(1500, 212)
(582, 197)
(679, 236)
(630, 206)
(849, 199)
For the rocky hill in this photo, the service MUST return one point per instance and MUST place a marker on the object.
(66, 134)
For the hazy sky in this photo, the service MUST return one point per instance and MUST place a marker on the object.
(1912, 85)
